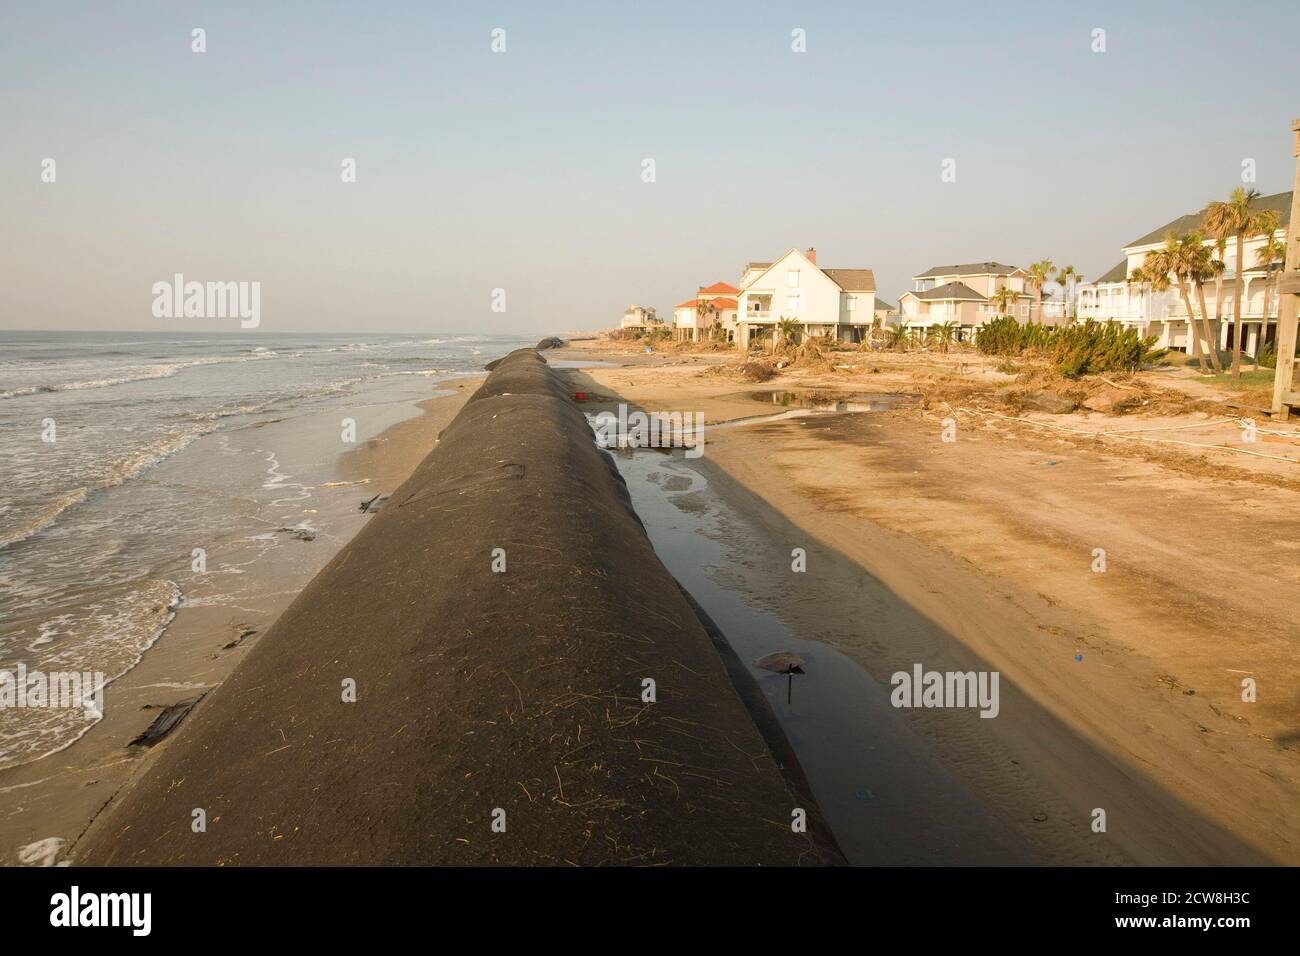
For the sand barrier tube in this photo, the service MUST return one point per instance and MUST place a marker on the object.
(496, 670)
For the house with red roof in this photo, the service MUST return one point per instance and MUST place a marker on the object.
(712, 311)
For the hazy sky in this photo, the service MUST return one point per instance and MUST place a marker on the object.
(523, 170)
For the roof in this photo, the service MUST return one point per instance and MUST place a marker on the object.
(1278, 202)
(882, 304)
(852, 280)
(688, 304)
(970, 269)
(722, 304)
(1117, 273)
(719, 288)
(951, 290)
(757, 265)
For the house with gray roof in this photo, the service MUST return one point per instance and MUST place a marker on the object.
(1119, 295)
(968, 295)
(822, 301)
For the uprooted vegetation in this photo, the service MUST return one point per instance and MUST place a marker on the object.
(1085, 348)
(1039, 388)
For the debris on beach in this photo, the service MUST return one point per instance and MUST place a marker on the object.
(371, 505)
(1045, 400)
(165, 722)
(43, 852)
(550, 342)
(242, 631)
(782, 662)
(302, 534)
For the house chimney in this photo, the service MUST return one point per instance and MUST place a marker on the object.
(812, 255)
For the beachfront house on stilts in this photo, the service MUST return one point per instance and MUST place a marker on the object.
(836, 303)
(1125, 295)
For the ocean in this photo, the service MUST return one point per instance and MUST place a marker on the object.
(141, 472)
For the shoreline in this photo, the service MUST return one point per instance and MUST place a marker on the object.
(57, 795)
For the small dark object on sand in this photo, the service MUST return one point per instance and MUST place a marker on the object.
(243, 633)
(302, 534)
(783, 662)
(371, 505)
(550, 342)
(165, 722)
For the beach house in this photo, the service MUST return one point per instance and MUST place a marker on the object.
(1124, 295)
(886, 313)
(713, 306)
(641, 319)
(969, 294)
(838, 303)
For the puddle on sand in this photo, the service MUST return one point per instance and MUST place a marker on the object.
(825, 400)
(884, 792)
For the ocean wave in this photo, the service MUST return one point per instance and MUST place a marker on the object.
(143, 374)
(43, 518)
(119, 472)
(120, 636)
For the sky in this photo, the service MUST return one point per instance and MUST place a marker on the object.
(524, 170)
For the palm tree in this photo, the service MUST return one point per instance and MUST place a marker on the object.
(1063, 275)
(1220, 250)
(1005, 296)
(1202, 266)
(899, 337)
(944, 335)
(703, 308)
(1139, 277)
(1039, 271)
(786, 329)
(1234, 219)
(1273, 250)
(1159, 266)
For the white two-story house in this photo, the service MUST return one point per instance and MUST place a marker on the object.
(839, 303)
(1115, 296)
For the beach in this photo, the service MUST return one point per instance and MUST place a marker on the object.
(1118, 690)
(58, 796)
(1122, 689)
(262, 483)
(496, 670)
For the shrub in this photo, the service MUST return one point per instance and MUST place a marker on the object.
(1268, 356)
(1080, 349)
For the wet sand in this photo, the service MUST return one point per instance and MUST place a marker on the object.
(57, 796)
(1121, 690)
(886, 794)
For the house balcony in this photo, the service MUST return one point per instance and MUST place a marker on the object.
(757, 317)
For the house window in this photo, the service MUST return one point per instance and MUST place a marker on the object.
(792, 278)
(794, 301)
(852, 303)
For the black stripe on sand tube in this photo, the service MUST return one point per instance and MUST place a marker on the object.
(512, 698)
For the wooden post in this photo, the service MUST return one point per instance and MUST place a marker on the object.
(1288, 287)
